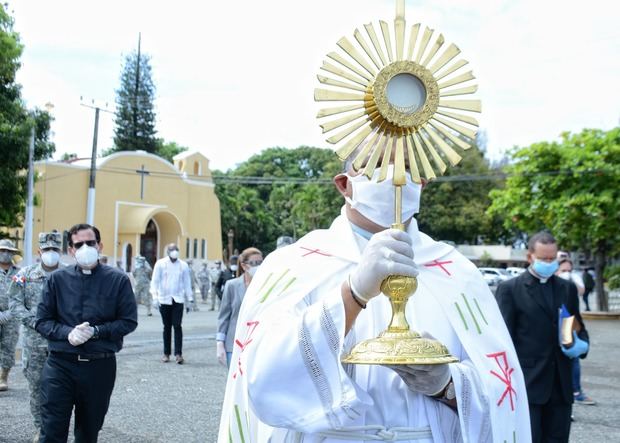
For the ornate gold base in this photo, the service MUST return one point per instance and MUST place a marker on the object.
(399, 348)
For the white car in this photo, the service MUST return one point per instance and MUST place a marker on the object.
(493, 276)
(514, 271)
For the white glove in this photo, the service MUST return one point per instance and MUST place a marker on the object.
(387, 253)
(155, 303)
(81, 334)
(220, 351)
(427, 379)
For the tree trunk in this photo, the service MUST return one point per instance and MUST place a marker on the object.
(599, 266)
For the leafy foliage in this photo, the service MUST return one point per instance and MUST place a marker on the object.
(456, 210)
(135, 111)
(15, 128)
(168, 150)
(571, 188)
(259, 213)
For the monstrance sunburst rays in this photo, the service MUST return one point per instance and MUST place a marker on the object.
(423, 135)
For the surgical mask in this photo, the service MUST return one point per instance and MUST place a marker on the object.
(50, 258)
(6, 257)
(252, 270)
(545, 269)
(174, 254)
(566, 275)
(86, 256)
(375, 200)
(233, 267)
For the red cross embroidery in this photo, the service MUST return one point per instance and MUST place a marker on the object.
(506, 377)
(314, 251)
(440, 264)
(242, 345)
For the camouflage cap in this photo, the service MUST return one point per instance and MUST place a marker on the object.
(8, 245)
(50, 240)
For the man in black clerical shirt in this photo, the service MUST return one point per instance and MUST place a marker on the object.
(85, 312)
(531, 304)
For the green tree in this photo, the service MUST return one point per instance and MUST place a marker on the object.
(454, 207)
(290, 207)
(571, 188)
(168, 150)
(15, 127)
(135, 111)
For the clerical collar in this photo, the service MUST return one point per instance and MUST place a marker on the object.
(86, 271)
(361, 232)
(538, 277)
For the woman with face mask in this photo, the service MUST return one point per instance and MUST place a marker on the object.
(234, 291)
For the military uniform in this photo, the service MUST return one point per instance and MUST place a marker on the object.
(193, 304)
(9, 325)
(204, 280)
(142, 278)
(24, 297)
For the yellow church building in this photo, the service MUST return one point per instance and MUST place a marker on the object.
(142, 203)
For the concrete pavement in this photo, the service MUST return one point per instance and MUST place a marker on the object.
(156, 402)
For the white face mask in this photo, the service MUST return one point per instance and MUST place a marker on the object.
(87, 256)
(252, 270)
(375, 201)
(233, 268)
(174, 254)
(50, 258)
(566, 275)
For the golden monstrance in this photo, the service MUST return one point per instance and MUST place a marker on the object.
(405, 91)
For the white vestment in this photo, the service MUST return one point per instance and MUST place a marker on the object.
(287, 384)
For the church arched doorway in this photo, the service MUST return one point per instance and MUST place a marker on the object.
(149, 242)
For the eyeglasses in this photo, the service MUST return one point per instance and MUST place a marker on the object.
(79, 244)
(253, 262)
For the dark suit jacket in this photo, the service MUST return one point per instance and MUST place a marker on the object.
(534, 331)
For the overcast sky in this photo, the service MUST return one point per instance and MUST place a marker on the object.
(236, 77)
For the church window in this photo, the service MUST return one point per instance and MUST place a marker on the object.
(195, 248)
(196, 168)
(187, 251)
(203, 248)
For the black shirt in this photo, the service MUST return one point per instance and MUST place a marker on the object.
(103, 298)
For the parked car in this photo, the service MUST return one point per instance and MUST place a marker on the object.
(493, 276)
(514, 271)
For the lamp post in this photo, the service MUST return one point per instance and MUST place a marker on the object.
(29, 216)
(231, 235)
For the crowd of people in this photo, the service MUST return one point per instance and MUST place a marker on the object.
(285, 320)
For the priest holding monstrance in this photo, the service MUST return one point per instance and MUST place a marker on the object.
(370, 330)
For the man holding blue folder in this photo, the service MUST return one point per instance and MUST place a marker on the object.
(533, 305)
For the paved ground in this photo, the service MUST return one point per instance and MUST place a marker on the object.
(156, 402)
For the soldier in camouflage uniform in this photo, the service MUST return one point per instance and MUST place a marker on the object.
(204, 281)
(9, 326)
(193, 305)
(142, 277)
(24, 297)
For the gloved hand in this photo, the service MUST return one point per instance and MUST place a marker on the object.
(220, 352)
(387, 253)
(81, 334)
(155, 304)
(426, 379)
(579, 347)
(188, 306)
(5, 316)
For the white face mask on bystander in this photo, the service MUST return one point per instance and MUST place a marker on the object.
(375, 201)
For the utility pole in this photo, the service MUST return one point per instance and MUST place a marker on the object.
(30, 202)
(90, 206)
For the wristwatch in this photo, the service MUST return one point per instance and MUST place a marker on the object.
(449, 393)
